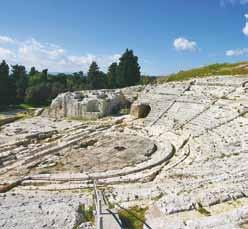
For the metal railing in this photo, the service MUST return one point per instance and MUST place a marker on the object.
(98, 206)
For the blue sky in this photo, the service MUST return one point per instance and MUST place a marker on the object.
(167, 35)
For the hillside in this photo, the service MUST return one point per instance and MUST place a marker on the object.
(178, 160)
(240, 68)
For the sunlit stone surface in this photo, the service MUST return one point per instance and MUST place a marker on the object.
(186, 161)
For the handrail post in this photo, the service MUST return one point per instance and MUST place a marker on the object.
(100, 206)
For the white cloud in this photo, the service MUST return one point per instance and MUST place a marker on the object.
(183, 44)
(6, 54)
(237, 52)
(233, 2)
(6, 40)
(243, 2)
(245, 29)
(45, 55)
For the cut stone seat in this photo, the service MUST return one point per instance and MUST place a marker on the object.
(167, 123)
(74, 136)
(7, 147)
(11, 157)
(194, 100)
(209, 120)
(8, 157)
(39, 156)
(76, 182)
(5, 154)
(170, 88)
(23, 153)
(201, 125)
(222, 178)
(156, 114)
(8, 162)
(28, 182)
(220, 81)
(79, 133)
(30, 156)
(181, 112)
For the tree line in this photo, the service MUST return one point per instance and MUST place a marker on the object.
(39, 87)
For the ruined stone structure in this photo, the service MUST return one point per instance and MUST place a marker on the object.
(185, 159)
(86, 104)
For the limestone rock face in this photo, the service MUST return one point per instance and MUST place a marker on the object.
(86, 104)
(140, 110)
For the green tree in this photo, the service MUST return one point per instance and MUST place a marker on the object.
(38, 94)
(37, 78)
(112, 75)
(128, 73)
(61, 78)
(96, 78)
(44, 75)
(73, 82)
(144, 80)
(5, 92)
(32, 71)
(55, 89)
(19, 76)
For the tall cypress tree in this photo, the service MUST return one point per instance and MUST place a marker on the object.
(44, 75)
(5, 97)
(95, 76)
(32, 71)
(19, 76)
(112, 75)
(128, 73)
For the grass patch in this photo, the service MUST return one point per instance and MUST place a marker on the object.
(83, 119)
(27, 106)
(111, 205)
(210, 70)
(88, 214)
(22, 106)
(133, 218)
(85, 215)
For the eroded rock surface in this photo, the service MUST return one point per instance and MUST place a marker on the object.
(39, 210)
(186, 160)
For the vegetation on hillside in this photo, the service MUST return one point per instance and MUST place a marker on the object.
(133, 218)
(17, 86)
(214, 69)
